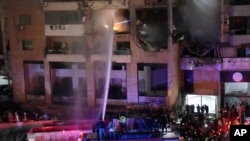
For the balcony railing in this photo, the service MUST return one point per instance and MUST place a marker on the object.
(64, 51)
(116, 52)
(122, 52)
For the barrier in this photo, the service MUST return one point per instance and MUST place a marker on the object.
(136, 136)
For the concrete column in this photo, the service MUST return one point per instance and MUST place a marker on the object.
(147, 72)
(47, 81)
(90, 79)
(132, 88)
(173, 64)
(132, 16)
(222, 21)
(90, 83)
(75, 76)
(132, 78)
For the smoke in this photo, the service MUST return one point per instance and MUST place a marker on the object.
(102, 39)
(202, 19)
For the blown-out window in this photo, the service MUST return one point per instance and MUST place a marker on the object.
(239, 25)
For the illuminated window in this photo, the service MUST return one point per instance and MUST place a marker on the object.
(202, 100)
(122, 22)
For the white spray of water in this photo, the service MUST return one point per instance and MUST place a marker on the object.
(109, 38)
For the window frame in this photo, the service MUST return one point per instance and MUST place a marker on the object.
(27, 45)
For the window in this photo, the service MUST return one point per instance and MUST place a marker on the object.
(123, 48)
(63, 17)
(2, 63)
(60, 65)
(118, 66)
(25, 19)
(237, 89)
(209, 100)
(34, 79)
(152, 22)
(236, 92)
(27, 45)
(247, 51)
(152, 79)
(239, 25)
(122, 22)
(60, 47)
(123, 45)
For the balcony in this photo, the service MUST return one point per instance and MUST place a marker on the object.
(100, 4)
(236, 40)
(119, 56)
(122, 52)
(239, 10)
(236, 63)
(198, 63)
(64, 30)
(64, 55)
(115, 58)
(61, 5)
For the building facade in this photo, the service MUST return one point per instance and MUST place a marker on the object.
(60, 52)
(235, 63)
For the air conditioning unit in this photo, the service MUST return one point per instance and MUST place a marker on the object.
(61, 27)
(83, 19)
(53, 27)
(57, 27)
(20, 27)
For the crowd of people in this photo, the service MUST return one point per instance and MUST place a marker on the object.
(199, 108)
(195, 125)
(115, 126)
(11, 117)
(198, 126)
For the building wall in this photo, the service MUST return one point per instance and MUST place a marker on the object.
(206, 82)
(32, 32)
(35, 32)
